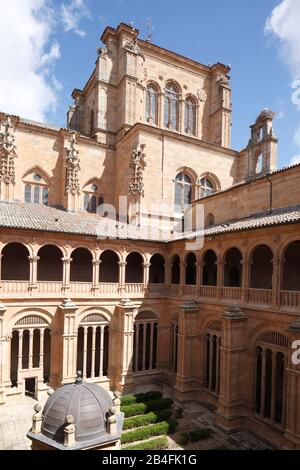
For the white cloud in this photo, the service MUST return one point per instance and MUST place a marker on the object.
(283, 24)
(27, 84)
(295, 159)
(71, 15)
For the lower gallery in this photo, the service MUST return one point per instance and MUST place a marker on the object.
(215, 325)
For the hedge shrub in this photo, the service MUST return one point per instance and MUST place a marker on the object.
(163, 428)
(159, 443)
(194, 436)
(140, 397)
(142, 408)
(144, 420)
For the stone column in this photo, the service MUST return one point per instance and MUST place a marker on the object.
(232, 406)
(220, 277)
(277, 264)
(101, 349)
(124, 344)
(30, 355)
(93, 352)
(41, 362)
(181, 115)
(64, 345)
(161, 109)
(33, 260)
(4, 357)
(85, 333)
(122, 276)
(146, 273)
(96, 274)
(292, 396)
(66, 272)
(245, 278)
(188, 345)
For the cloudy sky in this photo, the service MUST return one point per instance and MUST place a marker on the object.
(48, 47)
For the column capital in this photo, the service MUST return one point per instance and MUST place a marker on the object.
(122, 263)
(34, 258)
(96, 262)
(67, 260)
(68, 306)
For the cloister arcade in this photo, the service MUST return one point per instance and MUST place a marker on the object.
(232, 274)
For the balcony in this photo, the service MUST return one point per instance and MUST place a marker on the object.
(286, 300)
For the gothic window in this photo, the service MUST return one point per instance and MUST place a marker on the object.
(145, 341)
(30, 348)
(206, 187)
(91, 199)
(183, 192)
(171, 118)
(190, 116)
(271, 359)
(151, 105)
(174, 343)
(212, 357)
(35, 189)
(93, 346)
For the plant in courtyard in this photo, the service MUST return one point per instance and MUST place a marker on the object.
(184, 438)
(140, 397)
(155, 444)
(194, 436)
(163, 428)
(149, 418)
(142, 408)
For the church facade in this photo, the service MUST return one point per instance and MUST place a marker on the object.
(85, 285)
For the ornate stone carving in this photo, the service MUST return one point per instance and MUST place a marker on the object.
(223, 80)
(7, 152)
(202, 95)
(132, 46)
(72, 165)
(137, 166)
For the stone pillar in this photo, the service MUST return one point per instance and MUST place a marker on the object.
(220, 277)
(161, 109)
(33, 260)
(146, 273)
(101, 349)
(292, 396)
(277, 264)
(4, 357)
(96, 274)
(231, 405)
(125, 335)
(245, 278)
(181, 116)
(85, 333)
(66, 272)
(64, 346)
(188, 345)
(122, 276)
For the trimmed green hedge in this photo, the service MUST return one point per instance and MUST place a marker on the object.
(140, 397)
(195, 436)
(159, 443)
(144, 420)
(163, 428)
(142, 408)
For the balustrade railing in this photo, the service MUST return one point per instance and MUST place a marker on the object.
(285, 299)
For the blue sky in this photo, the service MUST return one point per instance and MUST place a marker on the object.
(64, 36)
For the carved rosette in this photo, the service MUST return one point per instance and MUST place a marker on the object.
(7, 152)
(137, 167)
(72, 165)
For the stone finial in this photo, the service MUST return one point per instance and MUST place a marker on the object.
(78, 380)
(72, 164)
(50, 392)
(69, 431)
(111, 421)
(37, 419)
(7, 152)
(117, 401)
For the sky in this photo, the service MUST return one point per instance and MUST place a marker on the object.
(49, 47)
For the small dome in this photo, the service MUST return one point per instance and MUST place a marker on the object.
(87, 403)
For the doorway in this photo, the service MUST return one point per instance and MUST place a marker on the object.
(30, 387)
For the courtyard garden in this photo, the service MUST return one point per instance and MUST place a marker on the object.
(153, 422)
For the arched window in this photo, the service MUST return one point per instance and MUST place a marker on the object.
(171, 118)
(233, 268)
(30, 349)
(209, 221)
(271, 360)
(151, 105)
(109, 266)
(157, 269)
(212, 356)
(134, 268)
(92, 122)
(190, 269)
(145, 341)
(183, 192)
(50, 266)
(209, 272)
(15, 263)
(174, 343)
(206, 187)
(91, 199)
(259, 164)
(190, 116)
(35, 189)
(93, 346)
(175, 278)
(261, 268)
(81, 269)
(291, 272)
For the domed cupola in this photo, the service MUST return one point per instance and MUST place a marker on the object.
(77, 416)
